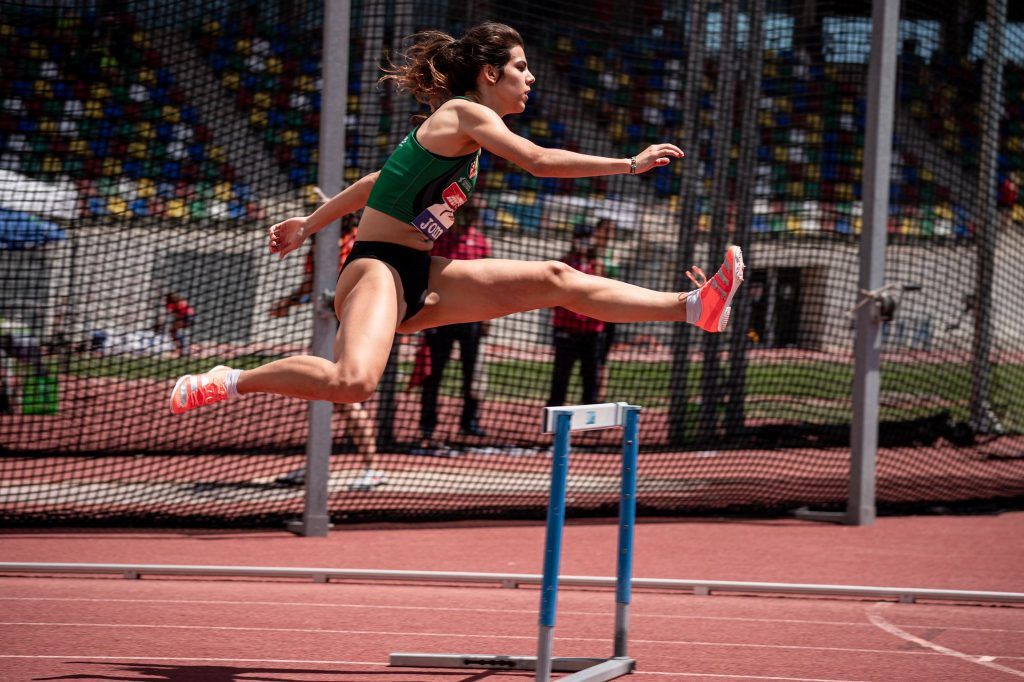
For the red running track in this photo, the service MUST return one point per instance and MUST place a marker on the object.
(219, 630)
(223, 631)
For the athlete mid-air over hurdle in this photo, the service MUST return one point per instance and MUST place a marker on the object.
(390, 283)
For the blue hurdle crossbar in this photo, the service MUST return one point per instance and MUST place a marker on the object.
(561, 421)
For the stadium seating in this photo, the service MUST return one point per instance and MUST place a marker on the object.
(89, 98)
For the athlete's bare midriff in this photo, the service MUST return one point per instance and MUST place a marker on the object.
(376, 226)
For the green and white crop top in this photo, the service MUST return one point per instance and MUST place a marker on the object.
(422, 188)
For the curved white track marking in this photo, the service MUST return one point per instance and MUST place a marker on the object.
(875, 616)
(561, 612)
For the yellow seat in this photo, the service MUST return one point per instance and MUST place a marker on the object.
(117, 205)
(231, 80)
(258, 117)
(78, 146)
(111, 167)
(176, 208)
(290, 138)
(93, 109)
(261, 100)
(243, 46)
(147, 188)
(223, 191)
(217, 154)
(170, 113)
(137, 149)
(146, 77)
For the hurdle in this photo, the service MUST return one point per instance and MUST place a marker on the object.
(561, 421)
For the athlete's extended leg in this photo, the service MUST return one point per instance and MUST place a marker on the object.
(473, 290)
(369, 304)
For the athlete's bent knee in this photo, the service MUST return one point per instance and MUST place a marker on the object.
(559, 274)
(352, 387)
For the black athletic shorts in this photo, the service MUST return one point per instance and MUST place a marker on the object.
(413, 266)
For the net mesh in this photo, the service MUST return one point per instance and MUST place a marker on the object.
(145, 147)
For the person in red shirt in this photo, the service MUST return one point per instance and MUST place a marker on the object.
(464, 242)
(182, 316)
(576, 336)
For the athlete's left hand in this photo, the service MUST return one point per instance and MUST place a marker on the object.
(286, 236)
(657, 155)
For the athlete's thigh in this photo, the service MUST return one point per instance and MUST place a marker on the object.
(368, 303)
(475, 290)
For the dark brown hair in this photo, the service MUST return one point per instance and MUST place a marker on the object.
(436, 67)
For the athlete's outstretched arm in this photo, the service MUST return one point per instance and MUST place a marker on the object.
(485, 127)
(288, 235)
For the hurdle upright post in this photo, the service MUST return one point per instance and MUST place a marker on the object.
(627, 522)
(561, 421)
(553, 543)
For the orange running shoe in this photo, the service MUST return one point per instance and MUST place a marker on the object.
(716, 293)
(195, 390)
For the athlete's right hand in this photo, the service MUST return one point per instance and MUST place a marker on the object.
(657, 155)
(286, 236)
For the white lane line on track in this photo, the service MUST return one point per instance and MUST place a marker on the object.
(452, 635)
(874, 614)
(294, 661)
(469, 609)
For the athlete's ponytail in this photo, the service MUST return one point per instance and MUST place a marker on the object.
(436, 66)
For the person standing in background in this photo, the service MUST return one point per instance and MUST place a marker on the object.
(464, 242)
(604, 248)
(182, 316)
(576, 336)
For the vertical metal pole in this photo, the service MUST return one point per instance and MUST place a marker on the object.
(711, 380)
(868, 343)
(315, 518)
(627, 522)
(553, 544)
(688, 198)
(983, 420)
(746, 174)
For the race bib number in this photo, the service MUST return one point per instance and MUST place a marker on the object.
(435, 221)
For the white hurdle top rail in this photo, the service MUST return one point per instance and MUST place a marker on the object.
(587, 417)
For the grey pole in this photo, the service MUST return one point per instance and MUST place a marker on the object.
(752, 64)
(679, 379)
(712, 389)
(315, 517)
(983, 420)
(868, 343)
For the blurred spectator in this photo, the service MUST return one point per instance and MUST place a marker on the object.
(577, 337)
(604, 249)
(463, 242)
(182, 315)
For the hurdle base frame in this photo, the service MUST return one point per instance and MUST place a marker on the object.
(584, 669)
